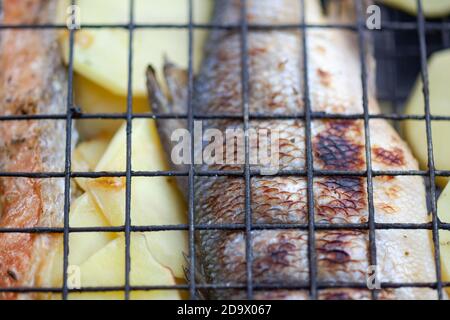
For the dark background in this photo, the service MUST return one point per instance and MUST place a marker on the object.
(398, 57)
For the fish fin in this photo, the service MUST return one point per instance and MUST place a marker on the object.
(158, 100)
(177, 81)
(162, 106)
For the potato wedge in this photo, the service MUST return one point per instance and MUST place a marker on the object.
(444, 235)
(107, 268)
(155, 201)
(98, 259)
(94, 98)
(86, 157)
(414, 131)
(102, 54)
(84, 213)
(431, 8)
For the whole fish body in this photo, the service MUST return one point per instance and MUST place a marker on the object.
(275, 86)
(33, 81)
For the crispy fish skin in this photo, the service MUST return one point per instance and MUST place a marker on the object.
(275, 87)
(32, 81)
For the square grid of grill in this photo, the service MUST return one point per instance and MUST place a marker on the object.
(393, 27)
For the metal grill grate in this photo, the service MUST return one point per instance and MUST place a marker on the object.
(394, 26)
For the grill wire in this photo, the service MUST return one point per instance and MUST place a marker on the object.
(393, 29)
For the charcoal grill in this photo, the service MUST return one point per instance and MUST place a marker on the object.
(401, 36)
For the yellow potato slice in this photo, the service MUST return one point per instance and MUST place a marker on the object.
(98, 259)
(431, 8)
(101, 55)
(415, 132)
(84, 213)
(444, 235)
(154, 200)
(107, 268)
(86, 156)
(93, 98)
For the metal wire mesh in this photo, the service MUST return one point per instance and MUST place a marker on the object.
(393, 27)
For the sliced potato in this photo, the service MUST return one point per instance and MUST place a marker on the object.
(154, 200)
(86, 157)
(94, 98)
(84, 213)
(107, 268)
(102, 54)
(415, 133)
(98, 258)
(92, 150)
(431, 8)
(444, 235)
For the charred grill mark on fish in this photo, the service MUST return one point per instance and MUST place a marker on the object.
(392, 158)
(340, 200)
(335, 147)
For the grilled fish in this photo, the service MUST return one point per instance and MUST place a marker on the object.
(275, 70)
(33, 81)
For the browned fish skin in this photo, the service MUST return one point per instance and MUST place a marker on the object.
(275, 87)
(32, 81)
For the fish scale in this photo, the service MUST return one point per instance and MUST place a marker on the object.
(280, 257)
